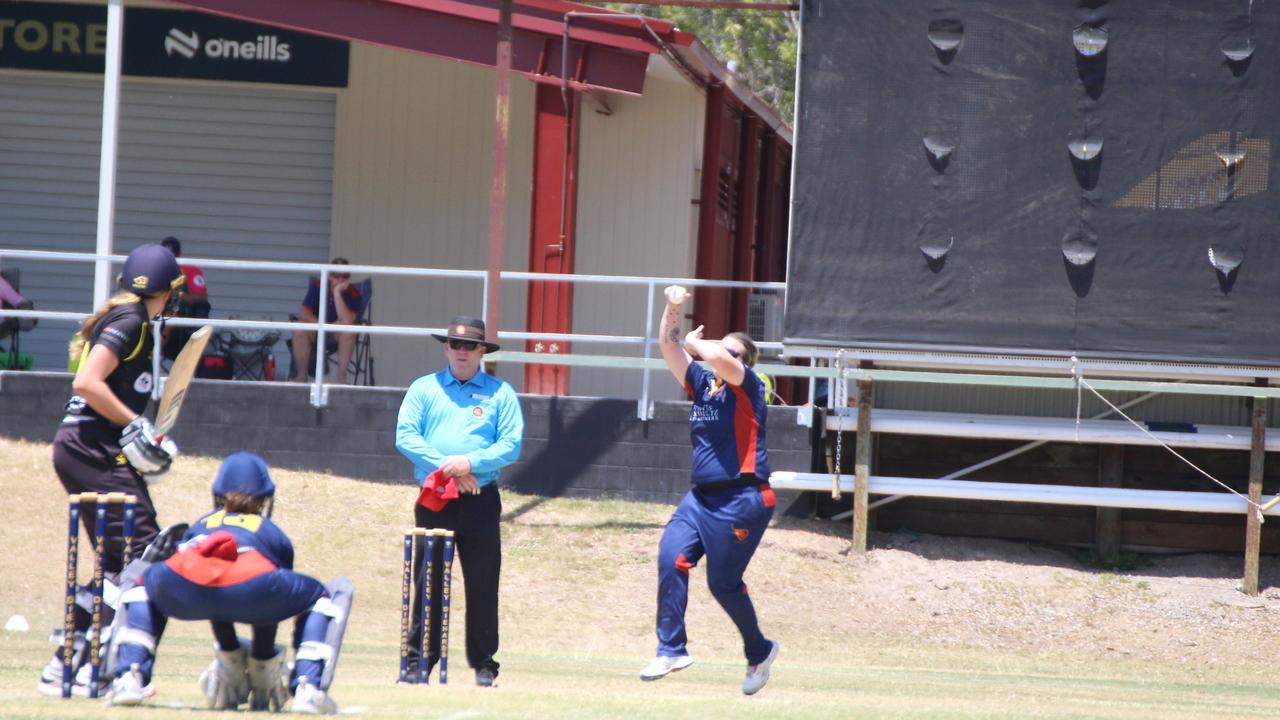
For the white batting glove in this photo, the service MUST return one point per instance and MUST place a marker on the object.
(146, 454)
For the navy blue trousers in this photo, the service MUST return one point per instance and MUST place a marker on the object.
(261, 602)
(726, 527)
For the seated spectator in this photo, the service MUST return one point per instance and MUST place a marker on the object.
(11, 299)
(344, 306)
(193, 301)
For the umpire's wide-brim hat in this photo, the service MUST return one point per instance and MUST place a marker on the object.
(468, 329)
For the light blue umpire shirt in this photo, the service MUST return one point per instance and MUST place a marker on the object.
(441, 416)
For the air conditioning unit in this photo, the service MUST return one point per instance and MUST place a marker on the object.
(764, 315)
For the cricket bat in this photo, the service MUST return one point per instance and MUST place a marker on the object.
(175, 386)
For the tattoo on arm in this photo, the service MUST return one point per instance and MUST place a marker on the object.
(672, 320)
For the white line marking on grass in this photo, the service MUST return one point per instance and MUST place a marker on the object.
(463, 715)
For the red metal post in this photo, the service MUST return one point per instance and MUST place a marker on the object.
(715, 216)
(498, 190)
(772, 253)
(552, 230)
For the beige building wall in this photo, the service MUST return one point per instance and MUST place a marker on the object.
(639, 169)
(411, 188)
(413, 162)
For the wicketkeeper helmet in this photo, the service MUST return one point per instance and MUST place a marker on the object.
(243, 473)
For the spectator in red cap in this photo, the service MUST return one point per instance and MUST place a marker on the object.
(193, 301)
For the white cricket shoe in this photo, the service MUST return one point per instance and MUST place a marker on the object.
(51, 679)
(311, 700)
(758, 675)
(128, 689)
(660, 666)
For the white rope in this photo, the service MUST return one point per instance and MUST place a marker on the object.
(1256, 507)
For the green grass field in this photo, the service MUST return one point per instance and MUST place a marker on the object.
(577, 614)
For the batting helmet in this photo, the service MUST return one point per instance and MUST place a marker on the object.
(150, 269)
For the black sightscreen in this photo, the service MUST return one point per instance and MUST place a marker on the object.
(1039, 176)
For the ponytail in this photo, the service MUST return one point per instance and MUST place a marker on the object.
(87, 327)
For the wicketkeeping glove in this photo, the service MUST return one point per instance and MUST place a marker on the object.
(140, 447)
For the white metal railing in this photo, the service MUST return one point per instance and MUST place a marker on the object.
(1130, 498)
(838, 376)
(319, 389)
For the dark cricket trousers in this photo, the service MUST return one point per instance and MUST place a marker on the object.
(87, 458)
(478, 542)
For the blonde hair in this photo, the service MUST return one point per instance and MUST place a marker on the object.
(86, 328)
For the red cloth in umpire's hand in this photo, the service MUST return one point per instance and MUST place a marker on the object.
(437, 491)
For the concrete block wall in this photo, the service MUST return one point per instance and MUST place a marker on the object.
(580, 447)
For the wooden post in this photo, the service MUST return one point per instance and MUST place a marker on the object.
(1253, 528)
(1106, 529)
(862, 468)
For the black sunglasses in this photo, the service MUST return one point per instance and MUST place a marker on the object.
(733, 352)
(463, 344)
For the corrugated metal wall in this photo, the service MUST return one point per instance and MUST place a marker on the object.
(411, 188)
(639, 177)
(235, 171)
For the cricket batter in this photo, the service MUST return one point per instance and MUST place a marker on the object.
(104, 443)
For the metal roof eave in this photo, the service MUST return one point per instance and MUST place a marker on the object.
(605, 54)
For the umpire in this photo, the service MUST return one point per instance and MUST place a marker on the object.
(468, 425)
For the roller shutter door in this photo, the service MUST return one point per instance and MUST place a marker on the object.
(234, 172)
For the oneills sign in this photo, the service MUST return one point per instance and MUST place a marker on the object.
(167, 43)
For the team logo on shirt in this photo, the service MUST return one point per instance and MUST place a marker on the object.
(143, 383)
(741, 534)
(704, 413)
(477, 411)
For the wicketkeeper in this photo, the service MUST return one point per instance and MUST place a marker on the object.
(235, 566)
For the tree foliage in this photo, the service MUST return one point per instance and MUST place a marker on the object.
(761, 45)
